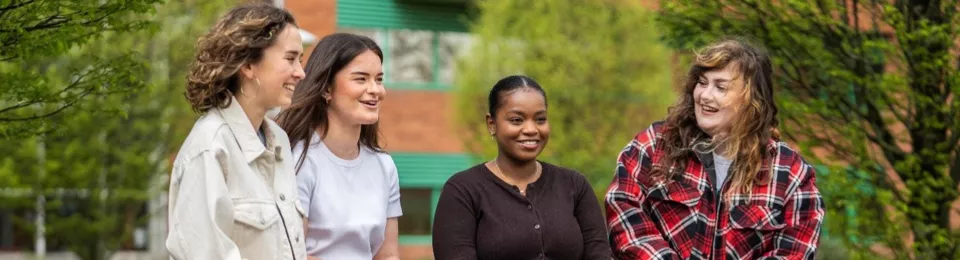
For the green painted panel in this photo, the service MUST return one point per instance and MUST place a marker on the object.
(428, 169)
(401, 15)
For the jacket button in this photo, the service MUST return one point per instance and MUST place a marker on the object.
(282, 197)
(529, 206)
(536, 227)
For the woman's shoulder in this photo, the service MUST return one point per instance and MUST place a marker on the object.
(470, 176)
(383, 156)
(564, 174)
(651, 134)
(210, 133)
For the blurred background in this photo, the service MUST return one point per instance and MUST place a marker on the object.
(92, 109)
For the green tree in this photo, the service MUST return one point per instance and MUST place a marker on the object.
(98, 170)
(872, 83)
(38, 82)
(605, 74)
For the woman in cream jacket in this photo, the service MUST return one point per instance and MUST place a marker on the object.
(233, 192)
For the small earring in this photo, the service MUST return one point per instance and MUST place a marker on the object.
(258, 81)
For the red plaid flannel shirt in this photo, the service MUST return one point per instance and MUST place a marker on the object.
(682, 219)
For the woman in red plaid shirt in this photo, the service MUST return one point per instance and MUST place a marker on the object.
(714, 180)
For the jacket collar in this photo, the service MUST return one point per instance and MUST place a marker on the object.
(246, 136)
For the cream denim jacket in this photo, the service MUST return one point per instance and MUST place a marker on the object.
(231, 197)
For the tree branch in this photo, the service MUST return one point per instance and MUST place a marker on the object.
(51, 113)
(885, 139)
(72, 85)
(4, 9)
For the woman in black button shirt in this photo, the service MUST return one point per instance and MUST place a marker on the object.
(515, 207)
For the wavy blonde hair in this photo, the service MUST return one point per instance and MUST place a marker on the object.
(751, 130)
(238, 38)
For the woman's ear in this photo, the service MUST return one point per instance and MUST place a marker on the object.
(491, 125)
(247, 71)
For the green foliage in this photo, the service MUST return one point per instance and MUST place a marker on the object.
(873, 84)
(97, 170)
(45, 70)
(605, 74)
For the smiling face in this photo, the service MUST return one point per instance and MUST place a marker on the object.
(358, 91)
(520, 125)
(272, 79)
(717, 99)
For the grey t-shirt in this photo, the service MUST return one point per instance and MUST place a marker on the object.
(349, 201)
(722, 166)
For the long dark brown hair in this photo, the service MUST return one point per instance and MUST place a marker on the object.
(308, 110)
(238, 38)
(750, 132)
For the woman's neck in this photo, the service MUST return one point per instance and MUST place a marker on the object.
(724, 150)
(254, 111)
(516, 170)
(342, 139)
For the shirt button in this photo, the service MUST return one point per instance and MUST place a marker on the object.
(297, 239)
(529, 206)
(536, 227)
(282, 197)
(540, 256)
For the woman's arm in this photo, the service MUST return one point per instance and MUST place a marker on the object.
(202, 215)
(804, 213)
(587, 211)
(390, 250)
(633, 234)
(305, 225)
(454, 226)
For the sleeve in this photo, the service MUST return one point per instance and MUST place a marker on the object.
(201, 214)
(803, 213)
(306, 183)
(587, 212)
(393, 180)
(633, 235)
(455, 225)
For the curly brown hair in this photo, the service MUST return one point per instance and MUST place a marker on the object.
(751, 131)
(238, 38)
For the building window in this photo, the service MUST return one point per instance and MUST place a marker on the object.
(451, 45)
(417, 207)
(417, 59)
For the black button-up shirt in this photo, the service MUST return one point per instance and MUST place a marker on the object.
(479, 216)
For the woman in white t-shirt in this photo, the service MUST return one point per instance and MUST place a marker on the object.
(348, 183)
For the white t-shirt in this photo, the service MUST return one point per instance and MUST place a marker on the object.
(722, 167)
(348, 201)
